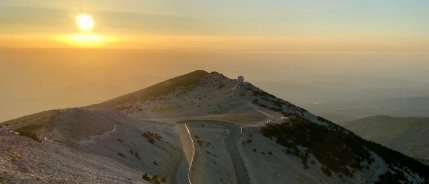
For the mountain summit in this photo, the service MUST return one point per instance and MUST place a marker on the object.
(200, 128)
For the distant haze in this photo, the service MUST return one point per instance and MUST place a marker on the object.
(33, 80)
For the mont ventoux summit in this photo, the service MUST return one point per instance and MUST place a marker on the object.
(197, 128)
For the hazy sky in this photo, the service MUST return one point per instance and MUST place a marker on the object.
(365, 25)
(262, 40)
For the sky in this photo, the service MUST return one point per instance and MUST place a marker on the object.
(44, 63)
(310, 25)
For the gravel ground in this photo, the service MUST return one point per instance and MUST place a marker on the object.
(24, 160)
(104, 152)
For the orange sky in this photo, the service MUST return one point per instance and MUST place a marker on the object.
(242, 25)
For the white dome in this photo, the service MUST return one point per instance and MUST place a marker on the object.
(240, 79)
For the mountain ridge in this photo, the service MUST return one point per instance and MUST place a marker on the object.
(200, 95)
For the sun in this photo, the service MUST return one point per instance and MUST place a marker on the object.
(84, 22)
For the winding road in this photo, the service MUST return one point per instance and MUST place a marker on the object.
(180, 174)
(237, 160)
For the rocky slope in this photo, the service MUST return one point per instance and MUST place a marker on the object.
(90, 145)
(307, 149)
(328, 153)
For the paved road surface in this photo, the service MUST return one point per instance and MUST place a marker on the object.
(231, 145)
(180, 174)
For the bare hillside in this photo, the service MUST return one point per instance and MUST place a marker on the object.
(139, 132)
(99, 145)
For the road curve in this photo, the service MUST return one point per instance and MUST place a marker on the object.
(231, 145)
(181, 171)
(237, 160)
(180, 174)
(269, 117)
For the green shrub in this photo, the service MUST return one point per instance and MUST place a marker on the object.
(122, 155)
(164, 179)
(333, 147)
(200, 143)
(146, 177)
(338, 149)
(151, 137)
(136, 154)
(152, 141)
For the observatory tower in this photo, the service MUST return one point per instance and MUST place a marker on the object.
(240, 80)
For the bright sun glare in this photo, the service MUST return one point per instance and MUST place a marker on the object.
(84, 22)
(85, 39)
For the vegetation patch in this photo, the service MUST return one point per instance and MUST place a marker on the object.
(200, 143)
(397, 162)
(339, 149)
(121, 155)
(151, 137)
(135, 153)
(165, 109)
(154, 179)
(336, 150)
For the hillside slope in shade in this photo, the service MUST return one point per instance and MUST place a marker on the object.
(406, 135)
